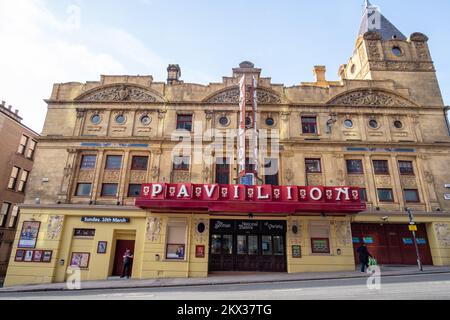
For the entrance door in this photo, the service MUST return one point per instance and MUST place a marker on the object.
(121, 247)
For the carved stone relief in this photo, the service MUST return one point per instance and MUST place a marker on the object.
(289, 175)
(343, 233)
(296, 239)
(232, 96)
(370, 98)
(111, 176)
(153, 229)
(356, 180)
(121, 94)
(383, 181)
(181, 177)
(408, 181)
(86, 176)
(315, 179)
(201, 237)
(373, 50)
(54, 227)
(401, 66)
(138, 176)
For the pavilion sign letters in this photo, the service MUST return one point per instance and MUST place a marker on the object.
(250, 199)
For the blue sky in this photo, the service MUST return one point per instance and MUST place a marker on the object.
(77, 40)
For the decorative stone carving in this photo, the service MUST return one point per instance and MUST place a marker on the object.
(206, 172)
(343, 233)
(408, 181)
(155, 172)
(340, 179)
(443, 234)
(356, 180)
(67, 170)
(54, 227)
(138, 176)
(289, 175)
(162, 114)
(201, 237)
(121, 93)
(181, 177)
(285, 116)
(209, 114)
(422, 51)
(111, 176)
(412, 66)
(429, 177)
(373, 50)
(86, 176)
(315, 179)
(370, 98)
(383, 181)
(296, 239)
(81, 113)
(153, 229)
(232, 96)
(372, 35)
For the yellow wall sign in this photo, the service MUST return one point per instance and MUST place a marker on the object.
(412, 227)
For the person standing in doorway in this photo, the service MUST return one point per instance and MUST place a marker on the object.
(127, 261)
(364, 255)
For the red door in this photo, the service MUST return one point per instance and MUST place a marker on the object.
(121, 247)
(392, 243)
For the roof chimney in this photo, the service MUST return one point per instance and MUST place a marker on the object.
(319, 73)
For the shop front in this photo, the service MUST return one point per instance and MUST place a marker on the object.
(253, 245)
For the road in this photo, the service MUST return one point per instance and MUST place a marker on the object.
(415, 287)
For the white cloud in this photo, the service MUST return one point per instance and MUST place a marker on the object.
(38, 50)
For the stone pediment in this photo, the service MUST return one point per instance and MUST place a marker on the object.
(120, 93)
(371, 98)
(231, 96)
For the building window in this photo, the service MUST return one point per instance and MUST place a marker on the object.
(381, 167)
(23, 181)
(313, 166)
(134, 190)
(355, 167)
(14, 216)
(13, 179)
(23, 144)
(406, 168)
(121, 119)
(222, 171)
(109, 190)
(271, 170)
(176, 241)
(88, 162)
(96, 119)
(398, 124)
(181, 163)
(113, 162)
(184, 122)
(31, 149)
(412, 195)
(4, 213)
(373, 124)
(320, 245)
(309, 125)
(385, 195)
(84, 189)
(139, 163)
(348, 124)
(363, 194)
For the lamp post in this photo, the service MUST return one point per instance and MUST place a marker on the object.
(413, 228)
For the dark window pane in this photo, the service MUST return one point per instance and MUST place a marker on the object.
(381, 166)
(412, 196)
(406, 167)
(385, 195)
(109, 190)
(134, 190)
(222, 171)
(363, 194)
(88, 162)
(241, 245)
(309, 125)
(139, 163)
(84, 189)
(355, 167)
(313, 166)
(113, 162)
(271, 172)
(184, 122)
(181, 163)
(267, 245)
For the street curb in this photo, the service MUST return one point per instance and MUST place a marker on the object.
(214, 283)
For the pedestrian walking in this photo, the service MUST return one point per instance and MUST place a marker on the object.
(364, 256)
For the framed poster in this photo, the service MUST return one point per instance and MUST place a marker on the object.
(47, 256)
(80, 260)
(29, 234)
(175, 251)
(296, 251)
(101, 247)
(320, 245)
(200, 251)
(20, 254)
(28, 256)
(37, 256)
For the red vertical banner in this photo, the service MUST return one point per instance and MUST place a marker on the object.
(242, 127)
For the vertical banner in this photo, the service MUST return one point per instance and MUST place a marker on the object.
(242, 127)
(255, 126)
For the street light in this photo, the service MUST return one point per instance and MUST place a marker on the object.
(413, 229)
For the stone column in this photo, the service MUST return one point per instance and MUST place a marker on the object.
(124, 176)
(395, 174)
(98, 171)
(65, 190)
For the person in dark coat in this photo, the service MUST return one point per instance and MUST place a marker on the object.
(364, 255)
(127, 261)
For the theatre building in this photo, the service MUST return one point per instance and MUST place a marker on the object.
(127, 162)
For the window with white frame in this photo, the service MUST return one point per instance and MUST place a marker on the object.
(13, 178)
(14, 217)
(23, 181)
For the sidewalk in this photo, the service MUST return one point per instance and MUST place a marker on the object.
(222, 279)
